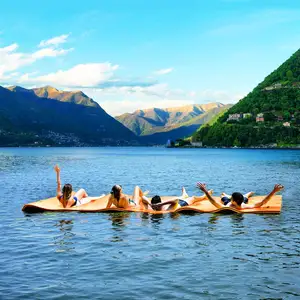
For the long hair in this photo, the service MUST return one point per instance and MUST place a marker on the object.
(116, 191)
(67, 192)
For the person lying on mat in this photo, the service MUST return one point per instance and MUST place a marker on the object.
(238, 200)
(120, 200)
(184, 200)
(65, 196)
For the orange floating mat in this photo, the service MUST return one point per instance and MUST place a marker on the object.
(99, 205)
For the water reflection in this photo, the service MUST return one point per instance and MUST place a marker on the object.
(154, 219)
(118, 219)
(237, 220)
(213, 219)
(64, 241)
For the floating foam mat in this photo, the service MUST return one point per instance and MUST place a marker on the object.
(99, 205)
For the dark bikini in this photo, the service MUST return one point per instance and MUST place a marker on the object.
(75, 200)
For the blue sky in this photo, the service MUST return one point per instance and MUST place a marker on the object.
(133, 54)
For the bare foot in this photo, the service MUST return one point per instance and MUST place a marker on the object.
(184, 193)
(248, 195)
(225, 195)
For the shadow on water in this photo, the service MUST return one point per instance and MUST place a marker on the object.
(64, 241)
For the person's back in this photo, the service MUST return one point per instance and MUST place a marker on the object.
(120, 200)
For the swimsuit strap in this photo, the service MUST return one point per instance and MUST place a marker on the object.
(131, 201)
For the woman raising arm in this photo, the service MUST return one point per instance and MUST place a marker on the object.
(65, 195)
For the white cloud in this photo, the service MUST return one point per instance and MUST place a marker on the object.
(9, 48)
(12, 60)
(54, 41)
(164, 71)
(160, 90)
(50, 52)
(82, 75)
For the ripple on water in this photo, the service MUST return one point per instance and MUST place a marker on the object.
(134, 255)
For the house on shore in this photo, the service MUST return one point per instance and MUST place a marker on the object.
(234, 117)
(260, 118)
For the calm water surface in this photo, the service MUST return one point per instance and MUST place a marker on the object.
(139, 256)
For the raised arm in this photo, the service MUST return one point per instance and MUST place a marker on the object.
(58, 189)
(202, 187)
(276, 189)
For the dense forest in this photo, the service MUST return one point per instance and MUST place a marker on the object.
(276, 101)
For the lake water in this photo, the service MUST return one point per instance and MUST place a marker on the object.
(139, 256)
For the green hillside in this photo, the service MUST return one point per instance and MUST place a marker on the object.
(273, 113)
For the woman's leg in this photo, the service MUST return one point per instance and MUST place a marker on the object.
(184, 194)
(225, 195)
(247, 196)
(137, 196)
(81, 194)
(194, 199)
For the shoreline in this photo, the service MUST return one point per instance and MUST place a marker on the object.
(156, 146)
(248, 148)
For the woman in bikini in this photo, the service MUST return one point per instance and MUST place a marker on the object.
(183, 200)
(120, 200)
(65, 195)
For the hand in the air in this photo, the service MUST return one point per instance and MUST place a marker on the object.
(57, 169)
(278, 187)
(201, 186)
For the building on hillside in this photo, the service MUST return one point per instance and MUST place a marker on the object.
(234, 117)
(268, 88)
(247, 115)
(197, 144)
(286, 124)
(279, 118)
(260, 118)
(273, 86)
(277, 85)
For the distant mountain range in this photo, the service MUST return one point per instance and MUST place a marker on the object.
(47, 116)
(157, 125)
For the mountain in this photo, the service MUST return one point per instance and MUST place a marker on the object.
(50, 92)
(73, 119)
(272, 113)
(156, 125)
